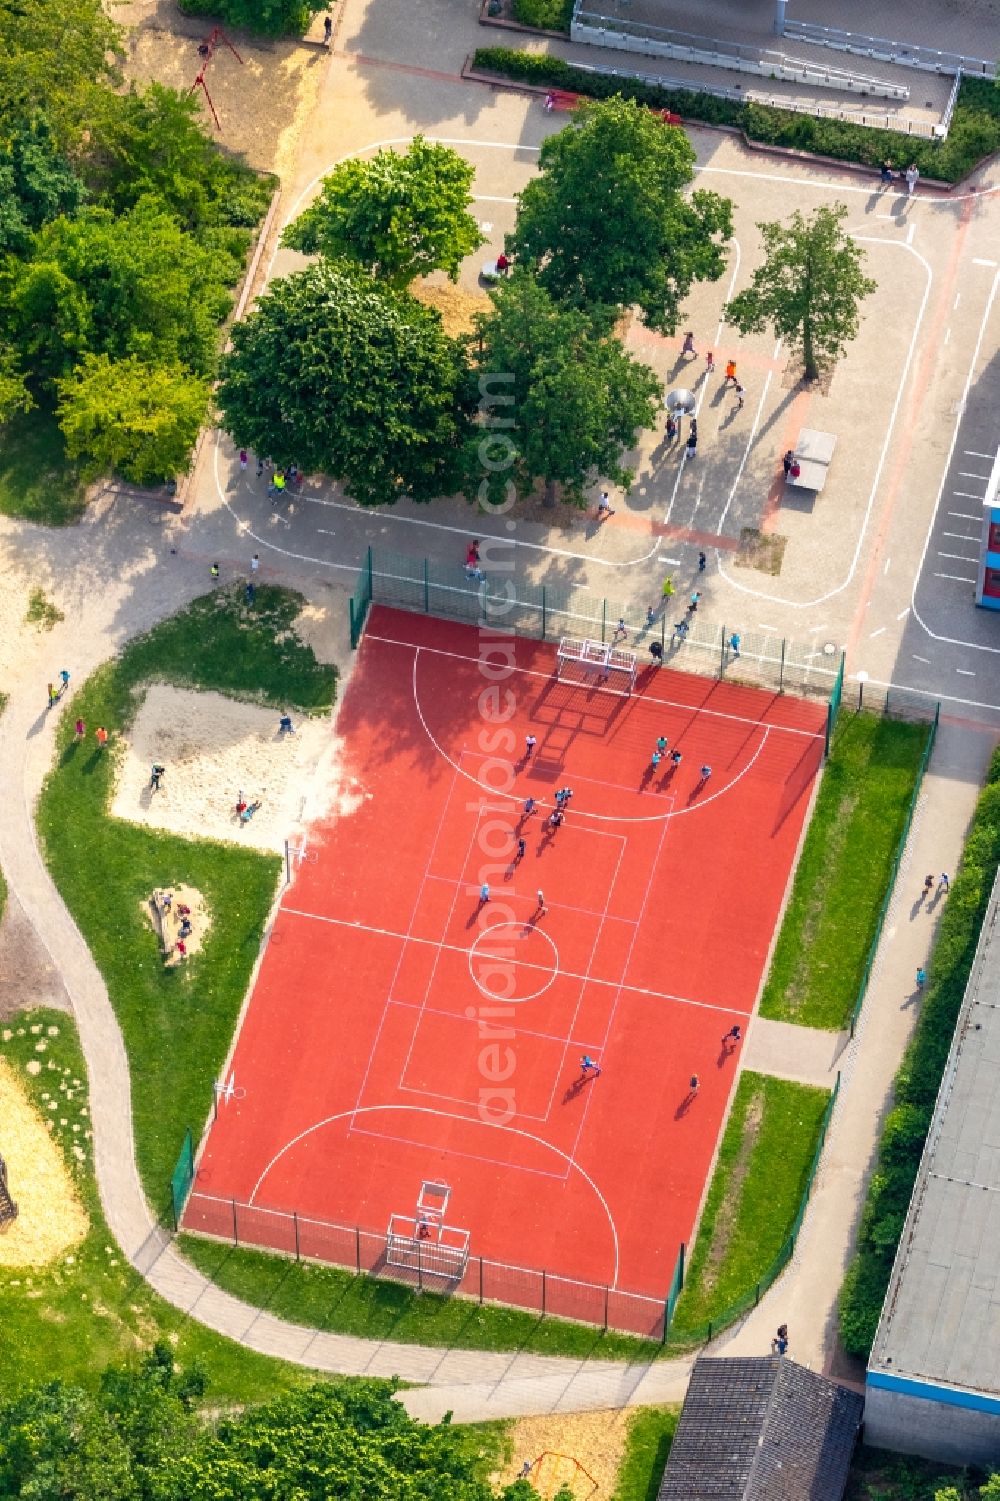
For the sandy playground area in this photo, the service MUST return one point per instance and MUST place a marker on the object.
(213, 749)
(51, 1218)
(582, 1451)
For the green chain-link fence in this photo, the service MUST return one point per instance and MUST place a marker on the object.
(182, 1178)
(550, 611)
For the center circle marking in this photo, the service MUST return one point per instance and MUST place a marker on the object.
(490, 936)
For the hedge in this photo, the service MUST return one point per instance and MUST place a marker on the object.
(974, 134)
(919, 1076)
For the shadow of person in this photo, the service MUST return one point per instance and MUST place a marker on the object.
(685, 1105)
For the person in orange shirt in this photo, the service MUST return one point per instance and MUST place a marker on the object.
(101, 736)
(730, 372)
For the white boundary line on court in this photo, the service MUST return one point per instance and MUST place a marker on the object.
(807, 604)
(452, 1116)
(359, 927)
(671, 812)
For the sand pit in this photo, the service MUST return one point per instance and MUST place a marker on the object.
(457, 307)
(213, 748)
(51, 1219)
(595, 1439)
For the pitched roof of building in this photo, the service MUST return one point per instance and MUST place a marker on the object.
(761, 1429)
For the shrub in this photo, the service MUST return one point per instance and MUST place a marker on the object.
(975, 127)
(919, 1076)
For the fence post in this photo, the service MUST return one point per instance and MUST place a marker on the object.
(288, 866)
(722, 652)
(371, 572)
(781, 669)
(354, 628)
(427, 591)
(663, 629)
(295, 1222)
(236, 1227)
(420, 1266)
(606, 1292)
(829, 728)
(543, 612)
(604, 619)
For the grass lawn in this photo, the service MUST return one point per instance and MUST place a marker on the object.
(843, 871)
(37, 481)
(326, 1297)
(650, 1434)
(71, 1318)
(759, 1179)
(177, 1023)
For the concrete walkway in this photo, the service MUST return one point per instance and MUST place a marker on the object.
(473, 1384)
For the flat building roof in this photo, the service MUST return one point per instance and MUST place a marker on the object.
(940, 1322)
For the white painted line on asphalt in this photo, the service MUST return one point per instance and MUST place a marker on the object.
(960, 536)
(885, 570)
(971, 453)
(903, 385)
(925, 660)
(881, 631)
(958, 298)
(958, 557)
(903, 613)
(947, 335)
(967, 495)
(967, 474)
(674, 561)
(461, 531)
(960, 578)
(814, 628)
(964, 515)
(949, 698)
(978, 261)
(966, 672)
(762, 627)
(682, 466)
(910, 233)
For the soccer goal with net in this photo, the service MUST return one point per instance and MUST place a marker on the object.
(594, 664)
(423, 1242)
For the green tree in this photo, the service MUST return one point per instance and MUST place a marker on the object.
(399, 214)
(14, 394)
(117, 285)
(570, 398)
(37, 183)
(808, 288)
(607, 223)
(269, 17)
(337, 374)
(151, 142)
(131, 418)
(62, 51)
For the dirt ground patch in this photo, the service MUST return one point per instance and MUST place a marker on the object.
(725, 1219)
(559, 1444)
(456, 306)
(27, 975)
(764, 551)
(51, 1219)
(262, 102)
(214, 748)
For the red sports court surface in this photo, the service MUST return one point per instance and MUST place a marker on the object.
(399, 1031)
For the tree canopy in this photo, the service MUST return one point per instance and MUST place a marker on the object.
(572, 398)
(270, 17)
(134, 283)
(139, 1438)
(335, 373)
(808, 289)
(131, 418)
(607, 223)
(398, 214)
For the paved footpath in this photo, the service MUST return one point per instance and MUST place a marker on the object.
(474, 1384)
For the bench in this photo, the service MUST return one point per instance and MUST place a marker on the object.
(562, 99)
(814, 452)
